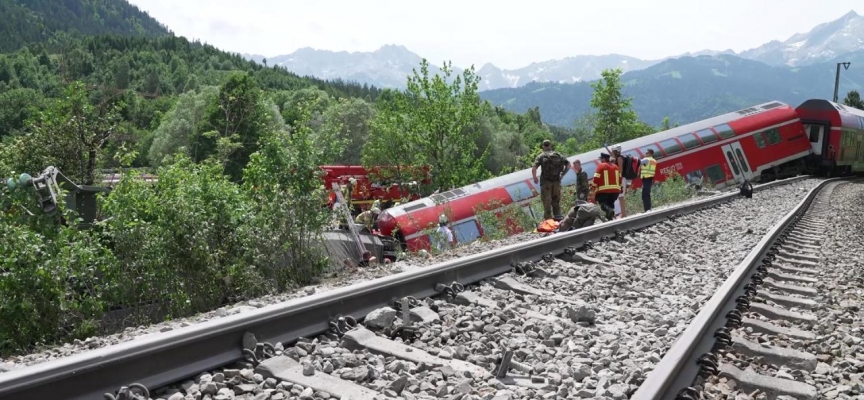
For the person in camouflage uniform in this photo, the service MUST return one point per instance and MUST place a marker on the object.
(553, 167)
(582, 185)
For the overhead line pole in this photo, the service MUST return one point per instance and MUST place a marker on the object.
(837, 78)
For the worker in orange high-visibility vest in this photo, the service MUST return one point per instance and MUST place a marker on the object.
(607, 183)
(649, 167)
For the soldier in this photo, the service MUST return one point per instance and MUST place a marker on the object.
(553, 167)
(582, 188)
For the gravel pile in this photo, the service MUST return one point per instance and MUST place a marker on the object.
(619, 313)
(839, 330)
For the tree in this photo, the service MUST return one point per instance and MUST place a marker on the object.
(70, 135)
(433, 123)
(350, 120)
(615, 119)
(853, 99)
(180, 124)
(234, 123)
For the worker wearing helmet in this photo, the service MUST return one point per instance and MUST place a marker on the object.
(607, 183)
(618, 159)
(367, 219)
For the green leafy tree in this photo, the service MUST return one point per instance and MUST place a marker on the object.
(180, 125)
(69, 134)
(234, 124)
(853, 99)
(615, 119)
(284, 181)
(350, 121)
(432, 122)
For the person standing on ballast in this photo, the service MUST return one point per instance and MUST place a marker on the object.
(607, 183)
(648, 170)
(552, 166)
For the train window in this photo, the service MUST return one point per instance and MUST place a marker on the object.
(715, 173)
(519, 191)
(773, 136)
(760, 140)
(466, 231)
(657, 153)
(725, 131)
(814, 133)
(670, 146)
(689, 140)
(742, 160)
(732, 162)
(707, 136)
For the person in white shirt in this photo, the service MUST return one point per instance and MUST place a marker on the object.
(443, 235)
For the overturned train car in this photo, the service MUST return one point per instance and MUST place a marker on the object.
(763, 142)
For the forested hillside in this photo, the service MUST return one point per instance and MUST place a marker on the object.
(26, 22)
(689, 89)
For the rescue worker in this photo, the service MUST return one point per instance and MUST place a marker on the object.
(582, 186)
(618, 159)
(607, 183)
(553, 167)
(649, 167)
(367, 219)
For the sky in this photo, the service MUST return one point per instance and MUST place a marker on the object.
(506, 33)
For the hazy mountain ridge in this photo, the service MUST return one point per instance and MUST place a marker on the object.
(389, 65)
(688, 89)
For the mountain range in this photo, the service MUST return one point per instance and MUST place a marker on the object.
(388, 66)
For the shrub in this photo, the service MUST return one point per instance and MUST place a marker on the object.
(53, 279)
(178, 243)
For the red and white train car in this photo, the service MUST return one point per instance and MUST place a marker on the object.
(765, 139)
(836, 133)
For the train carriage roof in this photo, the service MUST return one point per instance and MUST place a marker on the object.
(841, 115)
(588, 157)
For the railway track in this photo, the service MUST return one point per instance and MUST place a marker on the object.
(762, 334)
(447, 347)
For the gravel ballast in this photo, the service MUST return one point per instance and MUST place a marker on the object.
(620, 312)
(838, 329)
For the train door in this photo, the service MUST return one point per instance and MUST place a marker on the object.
(737, 162)
(816, 134)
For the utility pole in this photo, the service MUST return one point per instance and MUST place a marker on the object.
(837, 78)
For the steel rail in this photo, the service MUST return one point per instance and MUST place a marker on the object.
(680, 366)
(162, 358)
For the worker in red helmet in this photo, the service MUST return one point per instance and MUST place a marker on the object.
(607, 184)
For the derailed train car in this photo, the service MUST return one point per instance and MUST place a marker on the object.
(766, 141)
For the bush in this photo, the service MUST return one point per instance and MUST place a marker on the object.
(54, 279)
(179, 243)
(282, 179)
